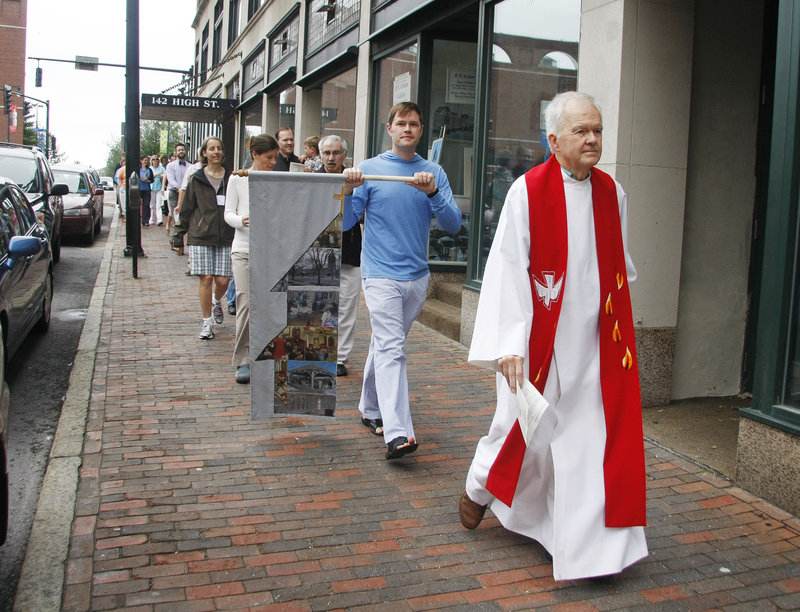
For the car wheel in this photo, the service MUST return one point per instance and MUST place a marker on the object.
(43, 324)
(99, 225)
(55, 248)
(3, 493)
(89, 236)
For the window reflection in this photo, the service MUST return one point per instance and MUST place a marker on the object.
(534, 57)
(397, 82)
(339, 106)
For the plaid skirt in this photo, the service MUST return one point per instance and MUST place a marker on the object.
(214, 260)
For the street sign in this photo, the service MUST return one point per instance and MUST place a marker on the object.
(83, 62)
(165, 107)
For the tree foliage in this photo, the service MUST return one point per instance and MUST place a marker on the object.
(155, 138)
(30, 135)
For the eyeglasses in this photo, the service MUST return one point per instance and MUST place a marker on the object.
(333, 152)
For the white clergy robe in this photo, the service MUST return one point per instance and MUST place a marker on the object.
(560, 497)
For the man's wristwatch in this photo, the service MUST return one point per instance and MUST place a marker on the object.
(433, 193)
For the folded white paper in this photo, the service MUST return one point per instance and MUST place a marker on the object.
(530, 408)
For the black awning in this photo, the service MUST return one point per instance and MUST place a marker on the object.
(162, 107)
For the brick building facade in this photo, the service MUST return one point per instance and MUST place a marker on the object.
(13, 18)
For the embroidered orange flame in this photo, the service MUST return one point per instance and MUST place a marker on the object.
(538, 374)
(609, 307)
(616, 334)
(627, 361)
(620, 280)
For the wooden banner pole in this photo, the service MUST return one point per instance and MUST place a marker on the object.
(366, 177)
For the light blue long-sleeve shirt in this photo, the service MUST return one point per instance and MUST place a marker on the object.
(398, 217)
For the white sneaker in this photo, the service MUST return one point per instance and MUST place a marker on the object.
(216, 312)
(208, 330)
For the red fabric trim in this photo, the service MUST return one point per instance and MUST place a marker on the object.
(548, 227)
(623, 465)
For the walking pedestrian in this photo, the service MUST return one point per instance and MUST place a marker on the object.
(264, 151)
(394, 265)
(285, 138)
(208, 237)
(555, 309)
(157, 195)
(175, 173)
(119, 200)
(145, 188)
(333, 150)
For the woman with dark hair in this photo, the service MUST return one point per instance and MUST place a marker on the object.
(145, 182)
(264, 150)
(207, 235)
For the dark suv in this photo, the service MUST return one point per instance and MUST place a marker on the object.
(28, 167)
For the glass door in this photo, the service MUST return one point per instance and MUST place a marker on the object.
(449, 133)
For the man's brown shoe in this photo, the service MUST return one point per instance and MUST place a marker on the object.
(471, 513)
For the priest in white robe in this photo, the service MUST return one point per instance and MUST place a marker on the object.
(560, 261)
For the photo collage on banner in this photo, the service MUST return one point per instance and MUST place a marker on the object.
(304, 353)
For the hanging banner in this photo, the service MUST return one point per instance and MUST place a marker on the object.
(295, 261)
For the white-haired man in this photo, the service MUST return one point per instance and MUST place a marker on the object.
(555, 309)
(333, 151)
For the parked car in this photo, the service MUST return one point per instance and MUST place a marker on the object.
(83, 205)
(4, 402)
(28, 167)
(26, 292)
(26, 269)
(107, 183)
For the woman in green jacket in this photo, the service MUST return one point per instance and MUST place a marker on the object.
(209, 238)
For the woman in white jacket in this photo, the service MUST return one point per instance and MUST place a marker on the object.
(264, 149)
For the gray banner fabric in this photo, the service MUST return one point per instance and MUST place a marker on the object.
(295, 249)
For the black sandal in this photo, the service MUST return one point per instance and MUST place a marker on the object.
(374, 425)
(399, 447)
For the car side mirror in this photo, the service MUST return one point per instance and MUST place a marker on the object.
(22, 246)
(59, 189)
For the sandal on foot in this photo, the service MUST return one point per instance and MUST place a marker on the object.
(399, 447)
(374, 425)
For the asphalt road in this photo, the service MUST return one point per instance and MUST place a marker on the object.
(38, 375)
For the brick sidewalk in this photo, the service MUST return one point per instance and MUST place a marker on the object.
(183, 503)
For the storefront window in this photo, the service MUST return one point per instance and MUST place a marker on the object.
(534, 57)
(339, 106)
(791, 395)
(397, 82)
(450, 131)
(288, 99)
(251, 123)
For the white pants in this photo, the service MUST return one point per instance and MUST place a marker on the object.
(156, 198)
(349, 292)
(241, 278)
(393, 306)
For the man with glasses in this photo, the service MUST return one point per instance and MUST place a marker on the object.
(333, 150)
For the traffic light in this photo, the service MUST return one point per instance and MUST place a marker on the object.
(38, 77)
(7, 99)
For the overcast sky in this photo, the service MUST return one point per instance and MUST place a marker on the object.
(87, 108)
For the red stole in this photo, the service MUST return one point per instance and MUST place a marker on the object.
(623, 464)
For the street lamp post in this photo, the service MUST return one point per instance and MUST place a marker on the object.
(133, 229)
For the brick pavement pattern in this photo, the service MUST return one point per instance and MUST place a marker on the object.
(185, 504)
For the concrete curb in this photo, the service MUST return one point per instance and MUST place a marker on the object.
(41, 580)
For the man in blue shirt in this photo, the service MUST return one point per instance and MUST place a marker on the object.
(394, 265)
